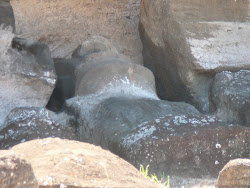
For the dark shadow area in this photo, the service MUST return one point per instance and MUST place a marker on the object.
(6, 13)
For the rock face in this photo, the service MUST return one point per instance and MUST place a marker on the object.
(6, 13)
(15, 172)
(186, 42)
(235, 174)
(27, 75)
(92, 166)
(104, 116)
(25, 124)
(63, 25)
(183, 143)
(230, 95)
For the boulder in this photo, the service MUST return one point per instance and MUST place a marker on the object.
(15, 171)
(6, 13)
(65, 163)
(28, 123)
(104, 116)
(173, 137)
(27, 75)
(185, 43)
(195, 146)
(63, 25)
(230, 96)
(236, 173)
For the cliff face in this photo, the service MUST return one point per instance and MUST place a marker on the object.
(64, 24)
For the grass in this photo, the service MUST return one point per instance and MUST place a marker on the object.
(154, 178)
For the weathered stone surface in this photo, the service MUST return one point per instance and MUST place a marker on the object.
(15, 172)
(27, 76)
(230, 96)
(235, 174)
(57, 162)
(64, 24)
(184, 145)
(25, 124)
(6, 13)
(113, 75)
(104, 116)
(185, 42)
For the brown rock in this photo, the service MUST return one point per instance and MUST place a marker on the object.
(64, 163)
(185, 42)
(236, 174)
(15, 172)
(64, 25)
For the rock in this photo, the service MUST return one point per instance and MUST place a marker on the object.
(66, 80)
(29, 123)
(195, 146)
(63, 25)
(92, 166)
(27, 75)
(6, 13)
(236, 173)
(15, 172)
(186, 42)
(103, 116)
(113, 75)
(230, 95)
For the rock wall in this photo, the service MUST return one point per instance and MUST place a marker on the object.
(64, 24)
(185, 42)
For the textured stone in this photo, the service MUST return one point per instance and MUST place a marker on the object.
(64, 163)
(6, 13)
(236, 173)
(185, 42)
(25, 124)
(15, 172)
(230, 96)
(104, 116)
(64, 25)
(27, 75)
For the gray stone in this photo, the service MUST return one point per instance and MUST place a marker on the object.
(104, 116)
(6, 13)
(27, 75)
(15, 172)
(186, 42)
(63, 25)
(195, 146)
(236, 173)
(29, 123)
(230, 96)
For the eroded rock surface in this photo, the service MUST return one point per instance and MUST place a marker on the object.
(63, 25)
(6, 13)
(230, 96)
(15, 172)
(236, 173)
(30, 123)
(78, 164)
(27, 75)
(186, 42)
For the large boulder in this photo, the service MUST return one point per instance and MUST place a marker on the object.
(230, 96)
(63, 25)
(172, 137)
(27, 75)
(103, 116)
(29, 123)
(186, 42)
(15, 172)
(64, 163)
(236, 173)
